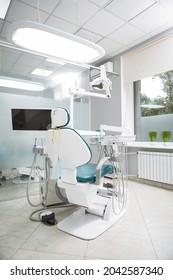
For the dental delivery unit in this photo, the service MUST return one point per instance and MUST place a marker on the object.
(97, 191)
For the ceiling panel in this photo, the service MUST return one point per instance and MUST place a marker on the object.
(101, 3)
(62, 24)
(148, 21)
(76, 11)
(45, 5)
(163, 28)
(126, 34)
(167, 4)
(8, 59)
(3, 30)
(30, 60)
(116, 25)
(88, 35)
(139, 40)
(8, 55)
(110, 46)
(114, 53)
(5, 68)
(103, 23)
(127, 9)
(20, 69)
(20, 11)
(96, 20)
(1, 24)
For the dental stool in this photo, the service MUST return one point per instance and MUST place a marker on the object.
(81, 181)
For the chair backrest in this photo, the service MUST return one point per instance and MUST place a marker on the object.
(59, 117)
(66, 145)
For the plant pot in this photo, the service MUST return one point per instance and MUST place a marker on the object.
(166, 136)
(152, 136)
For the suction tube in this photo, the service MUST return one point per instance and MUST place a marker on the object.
(29, 181)
(119, 191)
(57, 189)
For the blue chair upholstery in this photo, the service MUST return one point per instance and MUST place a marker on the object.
(87, 173)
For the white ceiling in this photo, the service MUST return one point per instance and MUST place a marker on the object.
(116, 25)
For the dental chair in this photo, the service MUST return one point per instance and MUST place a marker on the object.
(80, 180)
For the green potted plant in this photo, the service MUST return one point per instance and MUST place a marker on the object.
(166, 136)
(152, 135)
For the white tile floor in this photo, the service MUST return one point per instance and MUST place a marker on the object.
(145, 232)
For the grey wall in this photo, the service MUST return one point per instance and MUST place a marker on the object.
(108, 111)
(82, 106)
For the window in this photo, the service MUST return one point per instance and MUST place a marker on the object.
(154, 105)
(157, 95)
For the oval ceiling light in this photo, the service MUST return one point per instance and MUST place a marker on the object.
(21, 84)
(54, 42)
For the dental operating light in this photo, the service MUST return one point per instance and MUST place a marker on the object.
(51, 41)
(102, 83)
(21, 84)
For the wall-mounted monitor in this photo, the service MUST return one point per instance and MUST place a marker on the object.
(31, 119)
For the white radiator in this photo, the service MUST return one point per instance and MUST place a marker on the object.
(156, 166)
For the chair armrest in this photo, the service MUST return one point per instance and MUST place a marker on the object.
(99, 168)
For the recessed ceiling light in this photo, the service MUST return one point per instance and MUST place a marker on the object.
(41, 72)
(4, 4)
(21, 84)
(54, 42)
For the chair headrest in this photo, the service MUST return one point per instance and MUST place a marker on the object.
(59, 117)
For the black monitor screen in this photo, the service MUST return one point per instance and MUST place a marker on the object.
(31, 119)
